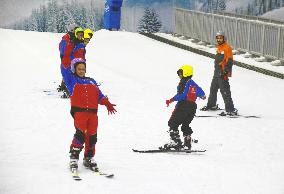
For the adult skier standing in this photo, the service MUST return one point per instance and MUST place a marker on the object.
(85, 96)
(184, 112)
(223, 70)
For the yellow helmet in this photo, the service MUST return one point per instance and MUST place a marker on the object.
(88, 33)
(78, 30)
(186, 70)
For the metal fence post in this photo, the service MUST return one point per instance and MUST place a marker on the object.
(248, 43)
(212, 32)
(192, 27)
(278, 42)
(202, 27)
(235, 38)
(183, 24)
(263, 38)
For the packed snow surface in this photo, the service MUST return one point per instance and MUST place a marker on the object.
(138, 74)
(276, 14)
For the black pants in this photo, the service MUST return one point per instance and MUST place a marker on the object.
(183, 115)
(224, 86)
(64, 88)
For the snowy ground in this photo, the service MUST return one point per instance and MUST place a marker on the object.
(276, 14)
(138, 74)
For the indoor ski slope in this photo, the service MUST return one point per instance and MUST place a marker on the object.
(138, 74)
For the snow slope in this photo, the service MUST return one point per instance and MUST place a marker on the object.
(138, 74)
(276, 14)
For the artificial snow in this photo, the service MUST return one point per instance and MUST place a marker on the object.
(138, 74)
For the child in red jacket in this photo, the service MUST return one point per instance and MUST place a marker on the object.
(85, 96)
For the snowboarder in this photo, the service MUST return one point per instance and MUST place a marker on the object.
(85, 96)
(184, 112)
(223, 70)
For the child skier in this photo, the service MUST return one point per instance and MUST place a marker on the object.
(85, 96)
(79, 50)
(184, 112)
(66, 47)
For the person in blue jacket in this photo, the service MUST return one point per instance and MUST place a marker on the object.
(85, 96)
(185, 109)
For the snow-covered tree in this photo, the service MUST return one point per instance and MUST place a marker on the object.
(95, 17)
(150, 22)
(221, 5)
(52, 15)
(33, 24)
(65, 18)
(42, 19)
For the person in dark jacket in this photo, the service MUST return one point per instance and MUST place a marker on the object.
(184, 112)
(85, 96)
(223, 70)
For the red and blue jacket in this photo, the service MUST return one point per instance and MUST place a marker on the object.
(188, 90)
(79, 51)
(85, 94)
(66, 47)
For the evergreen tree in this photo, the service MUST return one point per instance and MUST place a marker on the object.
(42, 19)
(65, 18)
(52, 15)
(83, 22)
(222, 5)
(95, 17)
(75, 11)
(249, 9)
(150, 22)
(33, 24)
(92, 16)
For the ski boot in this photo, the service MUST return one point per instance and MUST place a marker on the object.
(187, 142)
(212, 108)
(74, 157)
(230, 113)
(173, 145)
(73, 164)
(59, 88)
(90, 163)
(64, 95)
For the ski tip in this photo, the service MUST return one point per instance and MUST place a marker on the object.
(109, 176)
(192, 151)
(76, 179)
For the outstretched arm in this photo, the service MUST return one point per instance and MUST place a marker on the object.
(103, 100)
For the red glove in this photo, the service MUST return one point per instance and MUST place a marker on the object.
(109, 106)
(168, 102)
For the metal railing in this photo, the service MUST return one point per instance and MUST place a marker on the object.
(253, 36)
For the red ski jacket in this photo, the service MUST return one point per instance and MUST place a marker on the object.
(66, 47)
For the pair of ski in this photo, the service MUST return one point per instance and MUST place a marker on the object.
(96, 171)
(227, 116)
(167, 151)
(223, 114)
